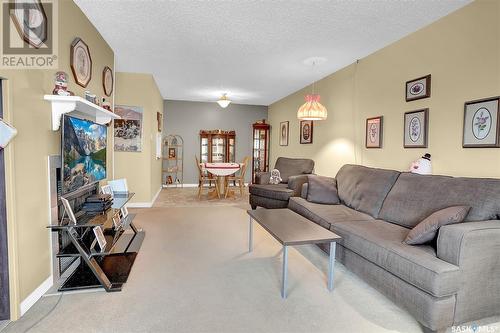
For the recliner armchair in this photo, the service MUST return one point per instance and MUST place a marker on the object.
(293, 173)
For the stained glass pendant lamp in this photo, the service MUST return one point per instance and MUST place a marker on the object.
(312, 109)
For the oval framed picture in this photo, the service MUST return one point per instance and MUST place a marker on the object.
(107, 81)
(81, 62)
(482, 123)
(416, 124)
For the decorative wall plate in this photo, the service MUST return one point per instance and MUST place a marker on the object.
(81, 62)
(107, 80)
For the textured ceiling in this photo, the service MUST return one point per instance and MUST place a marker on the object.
(253, 50)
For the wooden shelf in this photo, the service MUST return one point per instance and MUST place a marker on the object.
(77, 106)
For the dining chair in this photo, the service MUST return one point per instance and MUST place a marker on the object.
(238, 178)
(204, 177)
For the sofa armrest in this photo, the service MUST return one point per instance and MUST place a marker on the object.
(295, 184)
(475, 248)
(459, 243)
(262, 178)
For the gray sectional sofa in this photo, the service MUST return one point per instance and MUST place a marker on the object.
(455, 279)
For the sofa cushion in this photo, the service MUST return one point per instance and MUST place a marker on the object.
(414, 197)
(427, 230)
(324, 215)
(322, 190)
(363, 188)
(382, 243)
(293, 166)
(278, 192)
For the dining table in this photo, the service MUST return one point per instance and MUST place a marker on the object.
(221, 171)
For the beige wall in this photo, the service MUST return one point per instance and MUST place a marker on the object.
(157, 106)
(461, 51)
(27, 155)
(141, 169)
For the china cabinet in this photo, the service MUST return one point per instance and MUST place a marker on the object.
(217, 146)
(260, 154)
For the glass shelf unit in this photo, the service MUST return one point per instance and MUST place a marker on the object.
(173, 161)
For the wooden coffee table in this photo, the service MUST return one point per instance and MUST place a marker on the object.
(290, 228)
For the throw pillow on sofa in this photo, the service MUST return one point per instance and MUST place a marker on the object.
(322, 190)
(427, 229)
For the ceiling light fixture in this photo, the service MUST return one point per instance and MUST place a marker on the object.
(312, 109)
(224, 101)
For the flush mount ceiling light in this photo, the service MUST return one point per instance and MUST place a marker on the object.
(312, 109)
(224, 101)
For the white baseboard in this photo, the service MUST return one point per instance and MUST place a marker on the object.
(139, 205)
(156, 196)
(187, 185)
(36, 295)
(144, 204)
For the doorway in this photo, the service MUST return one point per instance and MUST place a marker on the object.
(4, 264)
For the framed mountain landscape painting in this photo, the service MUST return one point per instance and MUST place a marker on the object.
(481, 123)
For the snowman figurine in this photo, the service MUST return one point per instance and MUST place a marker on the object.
(422, 166)
(275, 177)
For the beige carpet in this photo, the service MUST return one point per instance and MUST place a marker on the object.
(188, 197)
(194, 274)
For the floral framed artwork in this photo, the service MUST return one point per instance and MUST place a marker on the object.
(416, 125)
(418, 88)
(306, 131)
(374, 132)
(481, 123)
(284, 133)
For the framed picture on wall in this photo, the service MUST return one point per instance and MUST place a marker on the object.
(81, 62)
(418, 88)
(159, 119)
(107, 81)
(374, 132)
(128, 130)
(284, 133)
(171, 153)
(481, 123)
(306, 131)
(416, 125)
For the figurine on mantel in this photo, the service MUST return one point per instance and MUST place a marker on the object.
(422, 166)
(61, 85)
(105, 104)
(91, 97)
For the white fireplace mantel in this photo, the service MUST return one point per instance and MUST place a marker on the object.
(78, 106)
